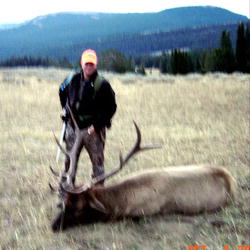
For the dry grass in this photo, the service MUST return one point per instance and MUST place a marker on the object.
(197, 119)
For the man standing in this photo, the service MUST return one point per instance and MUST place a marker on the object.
(92, 102)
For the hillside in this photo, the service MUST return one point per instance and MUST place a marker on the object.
(154, 43)
(60, 34)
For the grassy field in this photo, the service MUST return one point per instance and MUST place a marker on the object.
(197, 119)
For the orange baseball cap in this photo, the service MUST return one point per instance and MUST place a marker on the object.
(89, 56)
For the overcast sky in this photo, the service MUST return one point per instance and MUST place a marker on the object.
(12, 11)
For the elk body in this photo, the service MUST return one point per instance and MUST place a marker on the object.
(184, 189)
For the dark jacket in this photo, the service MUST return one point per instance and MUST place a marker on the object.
(89, 106)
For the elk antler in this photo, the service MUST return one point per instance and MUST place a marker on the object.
(74, 153)
(137, 148)
(72, 117)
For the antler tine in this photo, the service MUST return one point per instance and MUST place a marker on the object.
(139, 143)
(136, 148)
(52, 189)
(100, 178)
(121, 160)
(72, 117)
(54, 172)
(60, 146)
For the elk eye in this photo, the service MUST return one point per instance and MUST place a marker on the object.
(79, 204)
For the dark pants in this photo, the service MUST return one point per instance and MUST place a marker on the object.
(94, 144)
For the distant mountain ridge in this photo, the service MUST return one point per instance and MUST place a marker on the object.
(7, 26)
(61, 34)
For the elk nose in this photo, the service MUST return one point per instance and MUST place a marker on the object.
(59, 204)
(57, 224)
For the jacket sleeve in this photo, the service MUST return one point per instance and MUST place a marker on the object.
(63, 90)
(106, 106)
(63, 96)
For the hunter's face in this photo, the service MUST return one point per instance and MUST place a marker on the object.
(88, 69)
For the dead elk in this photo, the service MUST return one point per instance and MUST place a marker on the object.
(184, 189)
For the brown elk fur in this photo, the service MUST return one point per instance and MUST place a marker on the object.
(185, 189)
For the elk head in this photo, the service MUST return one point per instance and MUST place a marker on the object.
(78, 208)
(81, 205)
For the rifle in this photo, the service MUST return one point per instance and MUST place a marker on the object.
(62, 136)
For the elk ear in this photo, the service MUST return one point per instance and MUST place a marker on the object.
(96, 204)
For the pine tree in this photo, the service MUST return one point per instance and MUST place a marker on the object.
(248, 48)
(226, 56)
(113, 60)
(180, 62)
(221, 59)
(141, 69)
(241, 48)
(164, 63)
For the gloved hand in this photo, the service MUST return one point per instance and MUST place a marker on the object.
(64, 117)
(91, 130)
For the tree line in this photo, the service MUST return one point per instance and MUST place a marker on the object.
(29, 61)
(224, 58)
